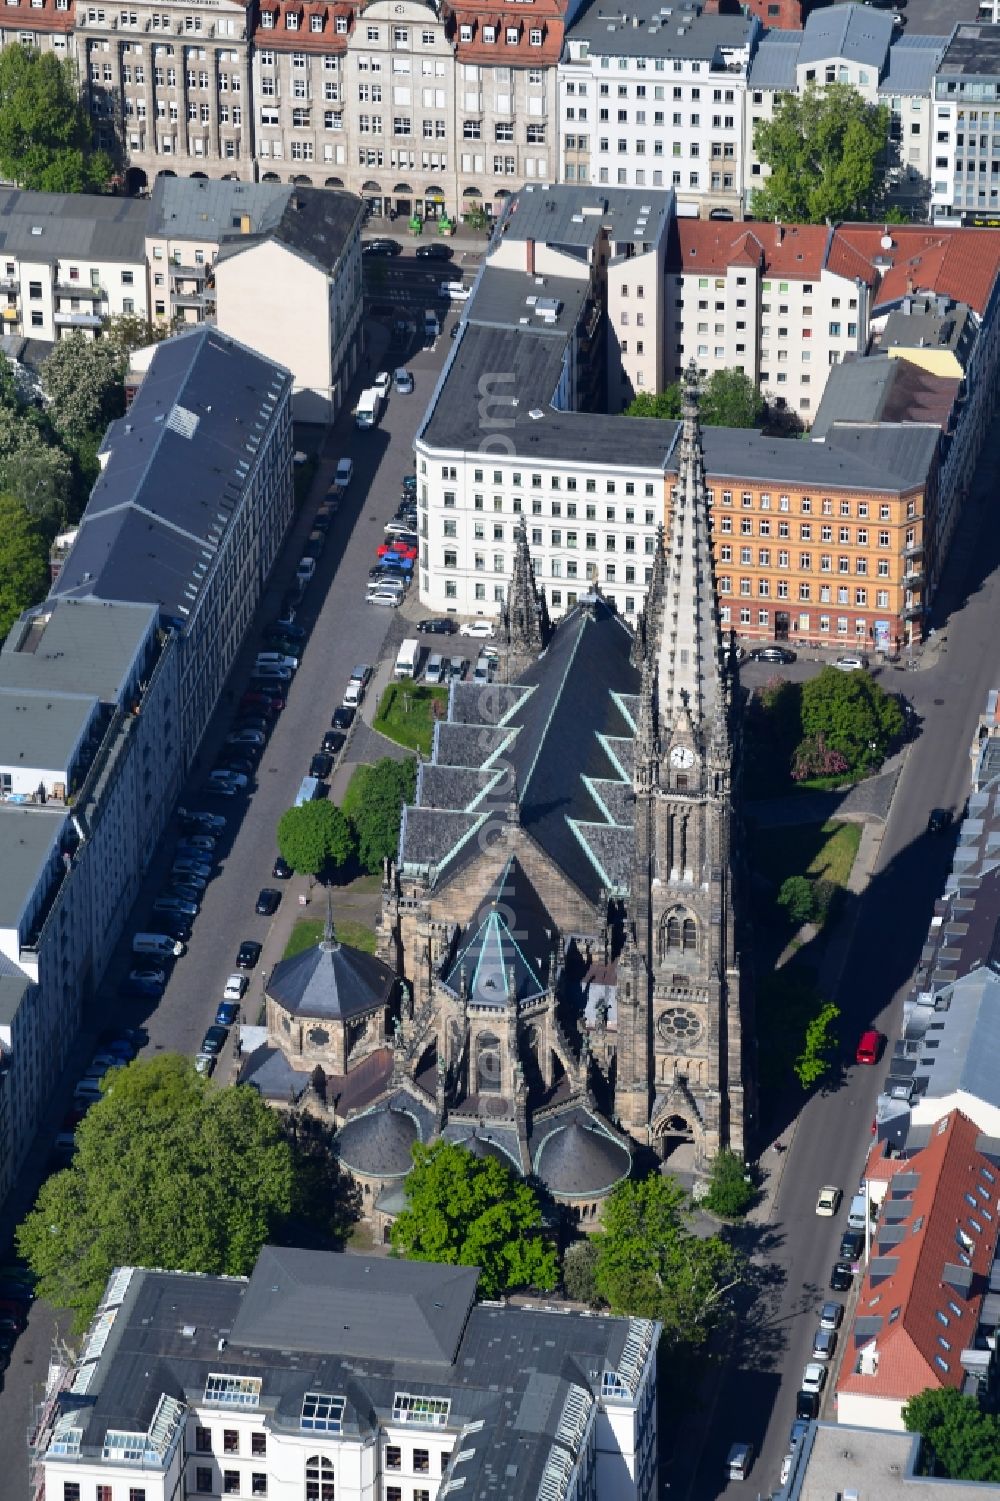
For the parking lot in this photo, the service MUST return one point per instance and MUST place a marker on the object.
(341, 632)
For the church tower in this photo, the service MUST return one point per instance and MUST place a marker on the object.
(525, 621)
(681, 1066)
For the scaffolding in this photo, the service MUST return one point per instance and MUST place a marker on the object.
(46, 1415)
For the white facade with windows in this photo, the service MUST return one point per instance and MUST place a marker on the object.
(966, 103)
(643, 103)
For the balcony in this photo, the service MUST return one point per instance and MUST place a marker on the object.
(79, 289)
(913, 550)
(10, 284)
(202, 301)
(77, 320)
(190, 273)
(913, 578)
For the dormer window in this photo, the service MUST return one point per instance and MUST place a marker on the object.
(341, 25)
(292, 21)
(535, 36)
(512, 36)
(316, 23)
(267, 19)
(489, 33)
(465, 33)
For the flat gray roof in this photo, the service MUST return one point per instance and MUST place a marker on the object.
(76, 646)
(837, 1458)
(28, 837)
(565, 215)
(58, 226)
(973, 51)
(684, 34)
(501, 301)
(42, 729)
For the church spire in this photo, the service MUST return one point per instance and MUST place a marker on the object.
(525, 619)
(688, 642)
(648, 631)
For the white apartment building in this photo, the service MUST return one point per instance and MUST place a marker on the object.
(68, 261)
(327, 1376)
(856, 45)
(171, 81)
(648, 99)
(276, 267)
(966, 97)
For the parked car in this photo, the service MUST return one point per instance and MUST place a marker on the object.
(227, 777)
(208, 823)
(344, 472)
(852, 1245)
(457, 668)
(281, 870)
(343, 718)
(226, 1013)
(222, 789)
(192, 842)
(851, 664)
(322, 522)
(275, 659)
(152, 972)
(187, 865)
(434, 250)
(204, 1063)
(403, 530)
(268, 700)
(253, 722)
(278, 672)
(320, 766)
(477, 629)
(396, 549)
(780, 654)
(939, 821)
(248, 953)
(381, 247)
(841, 1277)
(142, 990)
(824, 1343)
(828, 1201)
(434, 671)
(831, 1315)
(236, 987)
(177, 928)
(814, 1377)
(189, 890)
(382, 383)
(286, 629)
(214, 1040)
(806, 1404)
(438, 626)
(388, 598)
(409, 484)
(268, 902)
(315, 543)
(304, 572)
(240, 759)
(403, 382)
(869, 1046)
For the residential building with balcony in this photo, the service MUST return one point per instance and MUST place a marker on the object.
(191, 507)
(68, 261)
(171, 83)
(276, 267)
(648, 100)
(856, 45)
(965, 185)
(325, 1375)
(925, 1318)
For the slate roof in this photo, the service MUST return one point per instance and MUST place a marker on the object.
(315, 223)
(489, 958)
(486, 1141)
(883, 461)
(913, 61)
(378, 1144)
(704, 36)
(961, 1055)
(577, 682)
(292, 1299)
(773, 65)
(331, 980)
(855, 33)
(82, 226)
(576, 1156)
(877, 389)
(176, 467)
(913, 1277)
(76, 646)
(567, 215)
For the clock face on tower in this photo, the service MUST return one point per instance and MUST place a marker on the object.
(682, 756)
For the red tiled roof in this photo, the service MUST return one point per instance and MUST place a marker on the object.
(958, 263)
(303, 39)
(544, 15)
(916, 1292)
(792, 250)
(43, 18)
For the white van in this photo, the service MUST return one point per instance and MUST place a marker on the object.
(432, 326)
(434, 672)
(157, 943)
(369, 407)
(308, 791)
(407, 659)
(857, 1215)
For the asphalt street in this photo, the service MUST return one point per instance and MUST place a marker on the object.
(343, 631)
(756, 1400)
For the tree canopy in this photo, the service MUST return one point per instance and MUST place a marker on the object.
(651, 1265)
(961, 1441)
(315, 838)
(818, 1047)
(824, 150)
(24, 561)
(82, 379)
(127, 332)
(728, 399)
(853, 714)
(474, 1211)
(45, 134)
(730, 1187)
(168, 1171)
(374, 805)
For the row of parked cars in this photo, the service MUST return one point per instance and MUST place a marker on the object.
(396, 557)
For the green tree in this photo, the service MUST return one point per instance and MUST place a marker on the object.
(34, 468)
(824, 148)
(45, 137)
(326, 1201)
(579, 1271)
(795, 898)
(474, 1211)
(24, 561)
(853, 714)
(815, 1060)
(127, 332)
(728, 399)
(374, 805)
(651, 1265)
(169, 1171)
(82, 379)
(961, 1441)
(315, 838)
(731, 1189)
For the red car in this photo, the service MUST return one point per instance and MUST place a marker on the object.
(398, 549)
(869, 1047)
(271, 703)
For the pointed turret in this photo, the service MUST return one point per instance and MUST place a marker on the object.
(646, 758)
(525, 620)
(648, 631)
(688, 642)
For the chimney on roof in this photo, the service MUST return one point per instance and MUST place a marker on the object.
(529, 257)
(245, 225)
(909, 284)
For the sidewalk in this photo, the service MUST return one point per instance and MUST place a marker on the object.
(465, 241)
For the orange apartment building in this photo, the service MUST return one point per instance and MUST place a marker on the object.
(822, 543)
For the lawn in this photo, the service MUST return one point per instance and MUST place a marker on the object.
(407, 715)
(821, 852)
(308, 931)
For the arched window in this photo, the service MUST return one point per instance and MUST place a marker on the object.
(319, 1479)
(690, 934)
(673, 932)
